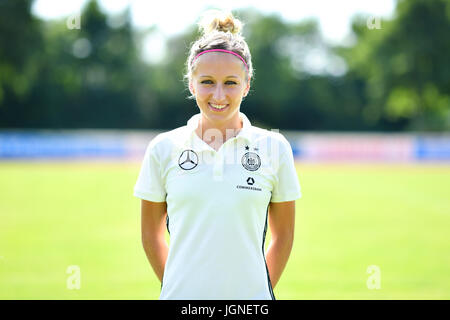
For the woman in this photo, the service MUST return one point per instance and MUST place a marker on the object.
(217, 182)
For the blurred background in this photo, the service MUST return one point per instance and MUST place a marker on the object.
(361, 90)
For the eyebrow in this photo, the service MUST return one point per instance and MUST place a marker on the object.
(206, 76)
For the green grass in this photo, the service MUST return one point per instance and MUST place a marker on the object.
(350, 216)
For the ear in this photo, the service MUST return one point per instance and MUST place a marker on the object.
(247, 88)
(191, 88)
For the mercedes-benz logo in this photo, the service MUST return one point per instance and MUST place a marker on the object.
(188, 160)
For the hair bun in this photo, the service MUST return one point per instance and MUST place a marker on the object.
(216, 20)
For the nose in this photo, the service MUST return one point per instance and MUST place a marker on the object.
(219, 94)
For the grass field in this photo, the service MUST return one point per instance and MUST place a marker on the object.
(396, 217)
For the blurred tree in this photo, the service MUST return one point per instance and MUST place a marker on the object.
(286, 94)
(393, 78)
(174, 107)
(93, 74)
(20, 39)
(405, 66)
(90, 77)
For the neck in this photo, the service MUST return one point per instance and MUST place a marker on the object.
(216, 133)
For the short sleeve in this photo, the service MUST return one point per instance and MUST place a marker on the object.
(149, 185)
(287, 186)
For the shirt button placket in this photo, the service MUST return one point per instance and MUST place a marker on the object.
(218, 167)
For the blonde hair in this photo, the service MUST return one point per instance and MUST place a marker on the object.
(220, 30)
(219, 20)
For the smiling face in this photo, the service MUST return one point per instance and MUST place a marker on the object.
(219, 83)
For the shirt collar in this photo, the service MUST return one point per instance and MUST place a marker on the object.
(244, 133)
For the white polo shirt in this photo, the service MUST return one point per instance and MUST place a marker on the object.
(217, 206)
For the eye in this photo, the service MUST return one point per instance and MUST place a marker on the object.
(229, 82)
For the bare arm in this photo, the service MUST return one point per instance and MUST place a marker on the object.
(281, 223)
(153, 228)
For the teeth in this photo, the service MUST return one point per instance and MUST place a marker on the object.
(218, 106)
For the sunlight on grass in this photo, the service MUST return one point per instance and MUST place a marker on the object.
(349, 217)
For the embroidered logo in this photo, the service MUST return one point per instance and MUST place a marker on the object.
(251, 161)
